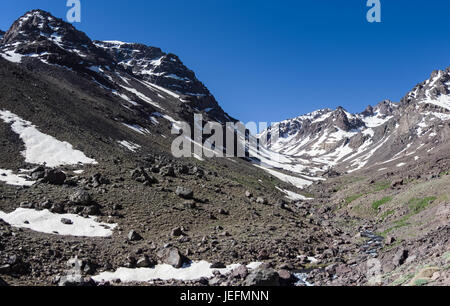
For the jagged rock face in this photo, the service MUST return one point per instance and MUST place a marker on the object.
(38, 35)
(388, 132)
(432, 93)
(1, 34)
(153, 65)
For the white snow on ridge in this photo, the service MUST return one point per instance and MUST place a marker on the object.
(377, 120)
(293, 196)
(443, 101)
(10, 178)
(137, 128)
(194, 271)
(296, 181)
(142, 96)
(41, 148)
(49, 223)
(129, 145)
(12, 56)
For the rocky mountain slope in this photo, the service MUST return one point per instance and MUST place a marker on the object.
(91, 195)
(381, 137)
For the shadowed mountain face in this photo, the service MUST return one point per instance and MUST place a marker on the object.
(39, 36)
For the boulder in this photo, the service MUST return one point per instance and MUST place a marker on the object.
(286, 278)
(400, 257)
(66, 221)
(134, 236)
(240, 272)
(177, 232)
(218, 265)
(261, 200)
(171, 256)
(81, 197)
(37, 173)
(184, 193)
(397, 183)
(167, 171)
(262, 276)
(144, 262)
(54, 177)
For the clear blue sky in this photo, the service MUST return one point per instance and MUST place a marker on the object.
(273, 60)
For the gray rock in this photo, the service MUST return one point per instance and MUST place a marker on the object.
(167, 171)
(66, 221)
(218, 265)
(262, 277)
(400, 257)
(261, 200)
(54, 177)
(81, 197)
(171, 256)
(92, 210)
(286, 277)
(26, 205)
(134, 236)
(58, 208)
(184, 193)
(390, 240)
(177, 232)
(240, 272)
(144, 262)
(37, 173)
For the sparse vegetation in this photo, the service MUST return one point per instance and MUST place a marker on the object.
(387, 214)
(382, 185)
(402, 280)
(353, 198)
(378, 204)
(418, 205)
(444, 173)
(420, 282)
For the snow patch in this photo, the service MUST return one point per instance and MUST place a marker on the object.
(10, 178)
(41, 148)
(49, 223)
(193, 271)
(293, 196)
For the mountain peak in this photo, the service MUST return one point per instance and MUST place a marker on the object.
(41, 25)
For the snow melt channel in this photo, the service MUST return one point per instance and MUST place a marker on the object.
(47, 222)
(41, 148)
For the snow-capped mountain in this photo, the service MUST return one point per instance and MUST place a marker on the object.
(153, 86)
(137, 73)
(387, 135)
